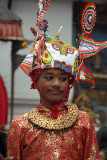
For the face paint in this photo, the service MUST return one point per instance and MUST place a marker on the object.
(56, 72)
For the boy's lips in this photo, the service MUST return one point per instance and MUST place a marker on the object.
(55, 91)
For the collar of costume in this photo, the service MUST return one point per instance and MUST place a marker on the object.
(67, 116)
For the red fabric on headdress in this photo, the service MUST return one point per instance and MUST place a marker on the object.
(34, 76)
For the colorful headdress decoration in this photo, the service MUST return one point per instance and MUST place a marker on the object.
(50, 52)
(88, 18)
(88, 47)
(42, 9)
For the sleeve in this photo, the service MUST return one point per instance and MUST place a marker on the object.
(91, 150)
(14, 142)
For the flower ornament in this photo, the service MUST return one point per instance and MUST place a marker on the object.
(43, 25)
(24, 44)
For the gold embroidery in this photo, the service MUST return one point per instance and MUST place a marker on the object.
(15, 144)
(91, 158)
(78, 133)
(21, 124)
(18, 157)
(39, 134)
(48, 142)
(25, 115)
(79, 123)
(33, 147)
(22, 135)
(30, 128)
(57, 153)
(93, 148)
(71, 141)
(9, 152)
(60, 123)
(42, 155)
(12, 131)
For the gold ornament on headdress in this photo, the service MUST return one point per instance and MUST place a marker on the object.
(58, 33)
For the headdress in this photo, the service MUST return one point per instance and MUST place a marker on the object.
(48, 52)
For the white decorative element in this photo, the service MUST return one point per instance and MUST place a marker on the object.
(90, 18)
(56, 55)
(40, 8)
(85, 47)
(58, 33)
(82, 76)
(37, 45)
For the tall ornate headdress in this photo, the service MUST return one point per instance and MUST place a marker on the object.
(50, 52)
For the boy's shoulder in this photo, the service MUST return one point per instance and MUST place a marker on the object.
(21, 117)
(81, 114)
(21, 120)
(84, 120)
(84, 115)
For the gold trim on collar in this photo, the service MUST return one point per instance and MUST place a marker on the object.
(57, 124)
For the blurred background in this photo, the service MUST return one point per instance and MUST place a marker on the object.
(16, 18)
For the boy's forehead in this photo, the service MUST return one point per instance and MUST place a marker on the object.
(54, 71)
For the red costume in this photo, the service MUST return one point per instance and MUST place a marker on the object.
(36, 135)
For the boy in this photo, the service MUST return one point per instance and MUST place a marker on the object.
(55, 129)
(44, 133)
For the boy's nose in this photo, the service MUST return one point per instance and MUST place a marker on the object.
(56, 82)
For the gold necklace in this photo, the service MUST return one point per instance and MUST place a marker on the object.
(62, 122)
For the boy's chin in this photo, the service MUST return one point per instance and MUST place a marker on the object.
(55, 100)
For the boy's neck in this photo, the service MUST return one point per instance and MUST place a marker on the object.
(47, 104)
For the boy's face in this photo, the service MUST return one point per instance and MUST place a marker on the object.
(53, 85)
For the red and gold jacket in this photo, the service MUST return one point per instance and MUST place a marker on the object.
(37, 136)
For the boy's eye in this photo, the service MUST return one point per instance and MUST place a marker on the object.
(63, 78)
(51, 77)
(48, 77)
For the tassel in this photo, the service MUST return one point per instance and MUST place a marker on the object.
(54, 112)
